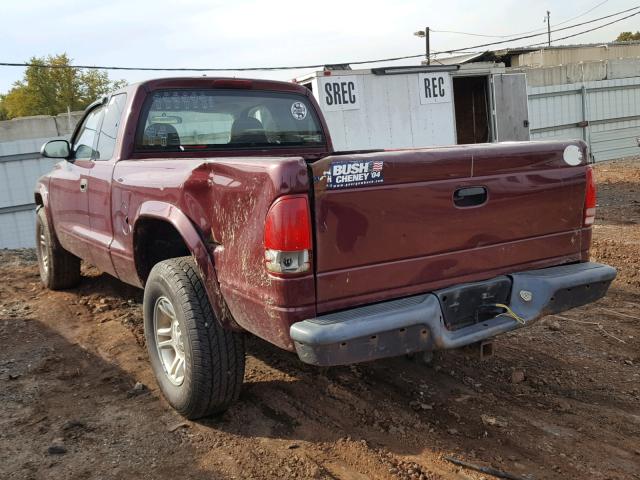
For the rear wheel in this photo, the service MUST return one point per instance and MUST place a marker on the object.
(59, 269)
(199, 366)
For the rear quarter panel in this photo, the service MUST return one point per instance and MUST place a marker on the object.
(227, 200)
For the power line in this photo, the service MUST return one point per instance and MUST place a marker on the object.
(553, 31)
(479, 34)
(521, 33)
(585, 31)
(234, 69)
(360, 62)
(582, 14)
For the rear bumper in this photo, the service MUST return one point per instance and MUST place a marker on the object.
(416, 323)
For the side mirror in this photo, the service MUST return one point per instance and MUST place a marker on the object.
(56, 149)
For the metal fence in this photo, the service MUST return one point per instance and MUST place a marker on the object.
(604, 113)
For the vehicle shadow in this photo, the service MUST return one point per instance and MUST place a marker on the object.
(98, 284)
(69, 414)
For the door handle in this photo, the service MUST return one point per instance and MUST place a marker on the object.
(470, 196)
(84, 183)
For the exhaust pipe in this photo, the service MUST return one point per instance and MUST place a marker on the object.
(486, 349)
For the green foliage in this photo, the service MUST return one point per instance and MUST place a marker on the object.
(49, 91)
(4, 115)
(628, 36)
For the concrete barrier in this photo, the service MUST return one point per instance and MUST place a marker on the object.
(41, 126)
(580, 72)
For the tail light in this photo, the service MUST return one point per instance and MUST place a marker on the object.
(590, 199)
(287, 235)
(232, 83)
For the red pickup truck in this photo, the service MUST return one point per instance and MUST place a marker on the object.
(224, 200)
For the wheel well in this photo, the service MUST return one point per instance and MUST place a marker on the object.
(154, 241)
(38, 200)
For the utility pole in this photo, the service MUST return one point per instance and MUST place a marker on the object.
(426, 36)
(549, 26)
(425, 33)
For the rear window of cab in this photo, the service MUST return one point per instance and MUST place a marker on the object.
(190, 119)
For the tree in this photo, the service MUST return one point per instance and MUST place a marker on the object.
(628, 37)
(95, 83)
(49, 91)
(4, 115)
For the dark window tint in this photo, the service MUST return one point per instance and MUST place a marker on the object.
(181, 120)
(110, 124)
(83, 144)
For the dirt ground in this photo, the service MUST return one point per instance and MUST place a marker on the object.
(558, 400)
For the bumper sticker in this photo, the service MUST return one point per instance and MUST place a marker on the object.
(354, 174)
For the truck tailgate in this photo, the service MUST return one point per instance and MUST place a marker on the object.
(396, 223)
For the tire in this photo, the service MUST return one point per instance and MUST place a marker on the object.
(178, 317)
(59, 269)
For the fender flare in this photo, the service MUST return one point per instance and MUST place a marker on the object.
(42, 189)
(204, 262)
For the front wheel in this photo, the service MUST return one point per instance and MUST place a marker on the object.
(59, 268)
(199, 366)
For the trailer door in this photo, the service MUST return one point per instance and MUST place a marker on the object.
(510, 107)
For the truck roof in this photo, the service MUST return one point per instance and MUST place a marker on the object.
(217, 82)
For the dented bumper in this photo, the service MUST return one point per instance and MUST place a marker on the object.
(417, 323)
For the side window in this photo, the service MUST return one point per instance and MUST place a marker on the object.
(110, 124)
(83, 145)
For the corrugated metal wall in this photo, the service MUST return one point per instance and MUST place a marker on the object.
(20, 166)
(18, 175)
(605, 114)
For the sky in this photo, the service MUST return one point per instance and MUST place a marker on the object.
(248, 33)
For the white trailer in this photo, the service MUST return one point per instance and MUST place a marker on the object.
(419, 106)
